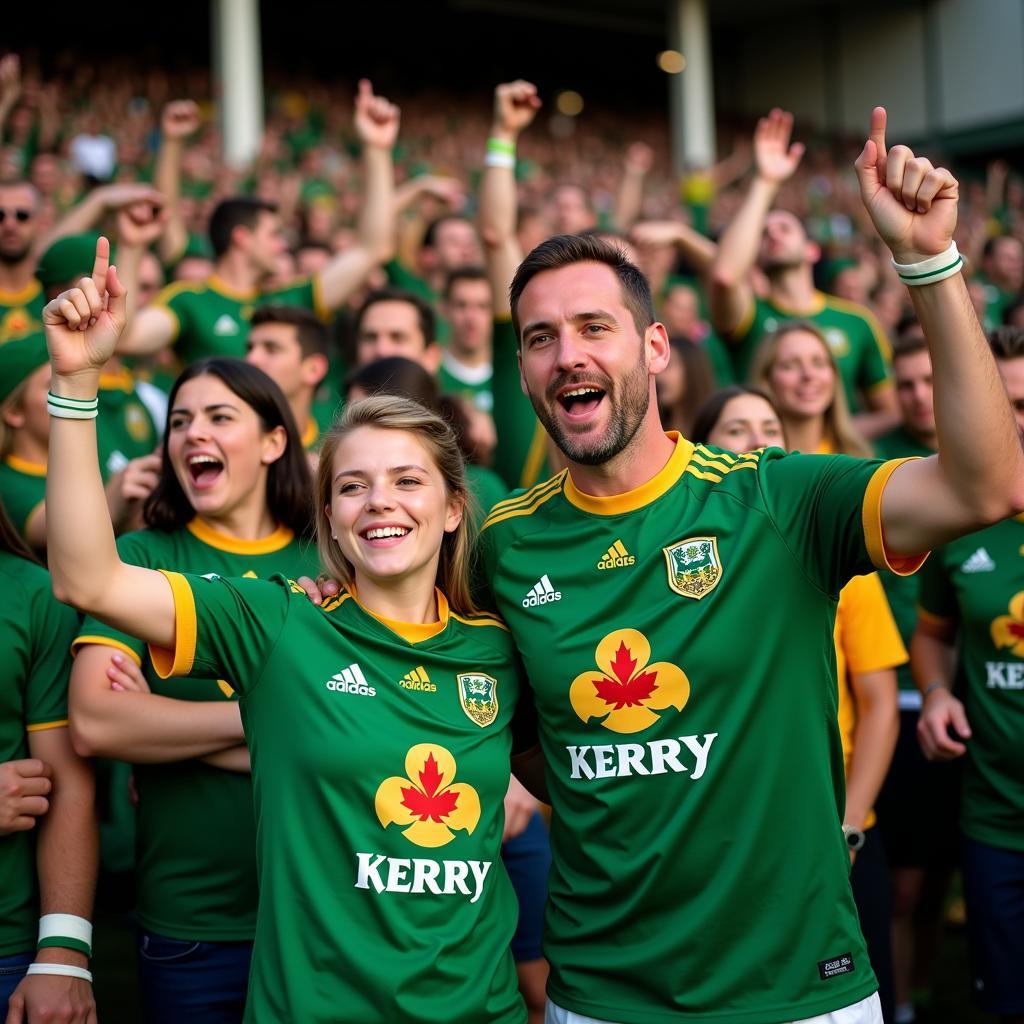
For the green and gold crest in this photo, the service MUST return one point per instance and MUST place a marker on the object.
(478, 695)
(136, 421)
(694, 568)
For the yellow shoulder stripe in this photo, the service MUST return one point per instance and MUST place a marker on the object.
(86, 640)
(335, 602)
(526, 498)
(729, 457)
(715, 478)
(526, 510)
(479, 621)
(41, 726)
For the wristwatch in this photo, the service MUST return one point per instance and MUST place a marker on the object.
(854, 837)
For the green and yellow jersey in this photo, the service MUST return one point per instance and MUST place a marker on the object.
(36, 633)
(977, 583)
(486, 487)
(22, 489)
(521, 455)
(21, 312)
(195, 827)
(679, 642)
(212, 319)
(474, 384)
(902, 590)
(126, 427)
(856, 338)
(380, 759)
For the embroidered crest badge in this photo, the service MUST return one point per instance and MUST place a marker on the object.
(694, 567)
(478, 695)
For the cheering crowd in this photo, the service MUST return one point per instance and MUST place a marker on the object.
(528, 412)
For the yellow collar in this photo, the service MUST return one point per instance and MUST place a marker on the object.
(817, 305)
(410, 632)
(19, 298)
(630, 501)
(311, 433)
(221, 286)
(26, 467)
(201, 530)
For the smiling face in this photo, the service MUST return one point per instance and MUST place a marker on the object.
(218, 448)
(586, 368)
(389, 508)
(802, 376)
(746, 422)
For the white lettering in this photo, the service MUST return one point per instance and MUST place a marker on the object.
(397, 868)
(656, 757)
(1004, 675)
(479, 869)
(699, 751)
(426, 874)
(455, 875)
(368, 874)
(631, 759)
(663, 752)
(604, 756)
(580, 768)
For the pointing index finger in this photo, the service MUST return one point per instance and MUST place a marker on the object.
(102, 262)
(877, 134)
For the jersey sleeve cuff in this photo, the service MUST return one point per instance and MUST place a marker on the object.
(742, 329)
(320, 307)
(104, 641)
(941, 621)
(874, 538)
(179, 661)
(175, 320)
(60, 723)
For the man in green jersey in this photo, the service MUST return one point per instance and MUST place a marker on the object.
(972, 598)
(779, 242)
(289, 344)
(674, 607)
(465, 368)
(212, 318)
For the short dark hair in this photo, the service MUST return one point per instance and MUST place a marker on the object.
(239, 211)
(464, 274)
(289, 484)
(565, 250)
(310, 330)
(396, 375)
(424, 311)
(1007, 342)
(908, 345)
(710, 412)
(991, 244)
(430, 235)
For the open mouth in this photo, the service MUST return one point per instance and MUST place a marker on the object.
(385, 536)
(204, 470)
(581, 401)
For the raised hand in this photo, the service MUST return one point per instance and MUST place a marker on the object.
(83, 324)
(10, 81)
(912, 204)
(179, 119)
(376, 118)
(447, 190)
(639, 158)
(774, 157)
(127, 193)
(515, 106)
(141, 224)
(656, 232)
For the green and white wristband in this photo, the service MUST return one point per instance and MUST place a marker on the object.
(61, 970)
(931, 270)
(71, 409)
(65, 931)
(500, 153)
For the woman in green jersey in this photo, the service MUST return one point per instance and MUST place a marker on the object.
(378, 724)
(232, 499)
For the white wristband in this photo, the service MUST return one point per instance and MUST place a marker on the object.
(63, 970)
(931, 270)
(66, 931)
(505, 160)
(61, 413)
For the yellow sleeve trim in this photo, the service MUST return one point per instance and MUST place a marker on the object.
(320, 308)
(104, 641)
(535, 457)
(935, 620)
(742, 329)
(179, 661)
(175, 321)
(874, 537)
(880, 385)
(43, 726)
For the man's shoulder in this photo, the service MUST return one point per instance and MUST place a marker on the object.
(181, 292)
(524, 510)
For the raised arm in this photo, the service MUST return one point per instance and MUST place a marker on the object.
(10, 87)
(977, 478)
(179, 120)
(139, 226)
(82, 327)
(515, 106)
(377, 125)
(630, 197)
(698, 250)
(775, 160)
(412, 224)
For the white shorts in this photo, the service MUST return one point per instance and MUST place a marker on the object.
(867, 1011)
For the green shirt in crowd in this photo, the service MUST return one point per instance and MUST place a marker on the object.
(212, 319)
(902, 590)
(130, 420)
(21, 312)
(471, 383)
(977, 582)
(679, 642)
(195, 827)
(36, 634)
(380, 759)
(858, 343)
(22, 489)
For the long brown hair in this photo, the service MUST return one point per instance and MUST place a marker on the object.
(390, 412)
(839, 429)
(10, 540)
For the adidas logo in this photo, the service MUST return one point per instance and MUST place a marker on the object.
(351, 680)
(980, 561)
(224, 325)
(417, 679)
(541, 593)
(616, 557)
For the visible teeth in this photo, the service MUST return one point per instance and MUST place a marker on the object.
(580, 392)
(386, 531)
(195, 460)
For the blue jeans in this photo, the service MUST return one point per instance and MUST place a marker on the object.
(12, 970)
(198, 982)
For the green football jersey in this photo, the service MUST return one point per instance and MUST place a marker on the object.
(380, 759)
(195, 827)
(521, 455)
(473, 384)
(126, 427)
(36, 633)
(858, 343)
(212, 319)
(21, 312)
(22, 489)
(902, 590)
(679, 643)
(486, 487)
(977, 581)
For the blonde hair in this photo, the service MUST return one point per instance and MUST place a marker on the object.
(839, 429)
(390, 412)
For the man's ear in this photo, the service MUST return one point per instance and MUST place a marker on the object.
(431, 358)
(314, 369)
(658, 349)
